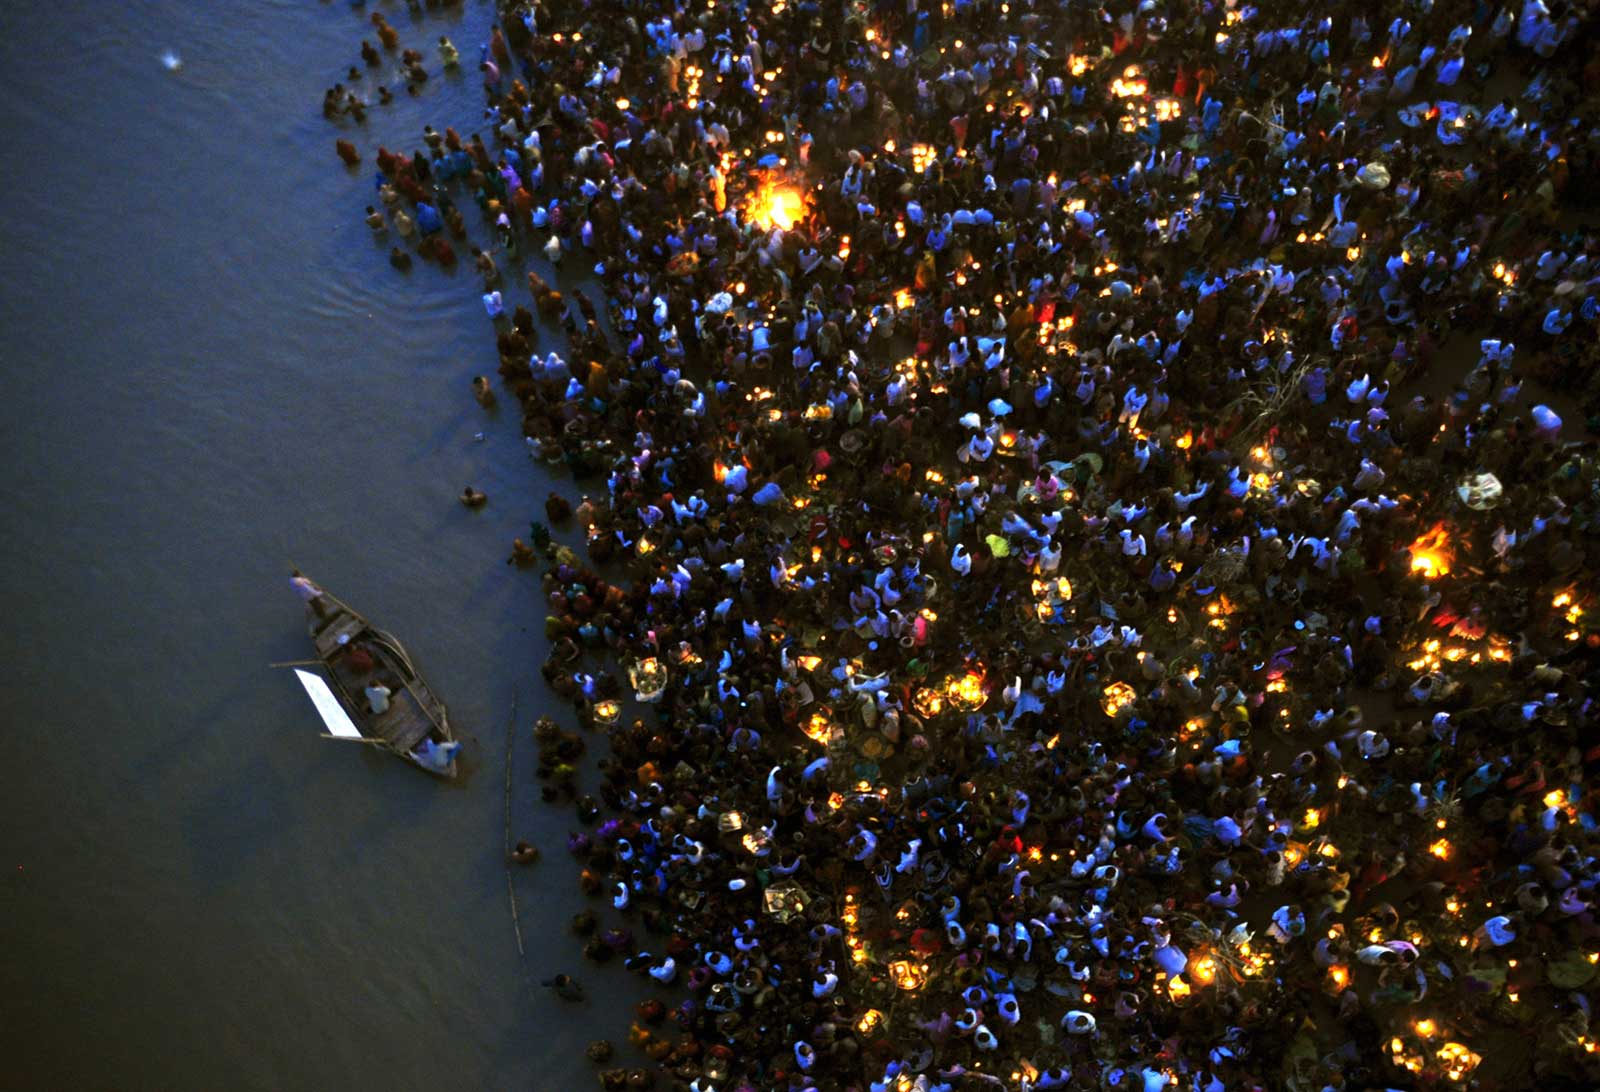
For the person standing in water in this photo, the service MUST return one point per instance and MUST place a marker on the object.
(565, 986)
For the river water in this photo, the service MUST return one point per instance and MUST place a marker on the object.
(211, 371)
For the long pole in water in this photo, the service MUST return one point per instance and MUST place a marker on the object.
(511, 890)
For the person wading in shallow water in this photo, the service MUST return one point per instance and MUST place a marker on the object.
(565, 987)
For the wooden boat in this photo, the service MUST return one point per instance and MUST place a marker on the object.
(353, 653)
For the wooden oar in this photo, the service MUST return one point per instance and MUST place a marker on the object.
(298, 663)
(355, 739)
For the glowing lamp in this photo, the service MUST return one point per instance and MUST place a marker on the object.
(784, 899)
(1117, 695)
(648, 678)
(967, 692)
(1457, 1059)
(907, 975)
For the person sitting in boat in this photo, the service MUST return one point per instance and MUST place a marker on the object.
(435, 756)
(359, 658)
(473, 498)
(377, 697)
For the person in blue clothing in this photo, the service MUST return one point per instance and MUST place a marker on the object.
(1027, 629)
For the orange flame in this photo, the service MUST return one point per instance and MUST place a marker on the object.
(777, 205)
(1431, 554)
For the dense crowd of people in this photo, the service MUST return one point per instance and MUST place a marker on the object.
(1091, 622)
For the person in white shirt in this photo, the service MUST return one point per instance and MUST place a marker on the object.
(378, 698)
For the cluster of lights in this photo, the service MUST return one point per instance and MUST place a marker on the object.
(1055, 336)
(1252, 961)
(692, 85)
(1115, 696)
(1131, 84)
(648, 678)
(1051, 597)
(1457, 1060)
(1433, 654)
(1217, 612)
(1403, 1056)
(967, 692)
(850, 918)
(907, 975)
(1571, 613)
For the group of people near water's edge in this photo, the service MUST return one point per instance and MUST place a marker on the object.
(1083, 558)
